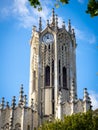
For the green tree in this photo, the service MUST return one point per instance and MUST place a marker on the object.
(92, 6)
(81, 121)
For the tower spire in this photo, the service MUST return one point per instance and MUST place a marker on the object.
(56, 21)
(53, 17)
(25, 101)
(73, 32)
(21, 95)
(13, 102)
(63, 25)
(69, 26)
(40, 24)
(7, 104)
(3, 103)
(86, 95)
(47, 22)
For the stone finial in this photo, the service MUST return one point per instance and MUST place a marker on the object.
(73, 33)
(53, 17)
(86, 95)
(25, 100)
(21, 95)
(56, 21)
(69, 26)
(34, 28)
(13, 102)
(7, 104)
(47, 22)
(40, 24)
(2, 103)
(63, 25)
(32, 104)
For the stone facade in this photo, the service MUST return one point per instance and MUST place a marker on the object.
(17, 117)
(53, 85)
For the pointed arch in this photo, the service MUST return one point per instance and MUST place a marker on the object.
(64, 78)
(52, 72)
(59, 67)
(47, 76)
(49, 46)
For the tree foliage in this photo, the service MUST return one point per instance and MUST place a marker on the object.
(92, 6)
(81, 121)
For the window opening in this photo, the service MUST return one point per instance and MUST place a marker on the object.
(47, 76)
(64, 78)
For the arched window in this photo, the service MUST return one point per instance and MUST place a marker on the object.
(52, 72)
(64, 78)
(49, 47)
(59, 66)
(47, 76)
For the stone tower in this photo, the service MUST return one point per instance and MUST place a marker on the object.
(53, 87)
(53, 69)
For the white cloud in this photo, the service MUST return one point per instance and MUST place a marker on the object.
(85, 36)
(19, 6)
(94, 99)
(44, 13)
(26, 14)
(60, 21)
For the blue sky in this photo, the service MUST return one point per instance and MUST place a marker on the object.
(16, 20)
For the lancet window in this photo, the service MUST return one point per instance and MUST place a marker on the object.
(47, 76)
(64, 78)
(53, 72)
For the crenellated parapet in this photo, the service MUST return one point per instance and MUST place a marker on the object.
(17, 115)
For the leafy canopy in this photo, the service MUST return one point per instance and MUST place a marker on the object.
(80, 121)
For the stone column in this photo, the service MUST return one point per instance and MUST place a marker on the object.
(50, 79)
(31, 74)
(56, 76)
(60, 105)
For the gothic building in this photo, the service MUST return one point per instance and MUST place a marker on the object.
(53, 83)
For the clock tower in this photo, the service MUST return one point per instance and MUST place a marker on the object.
(53, 87)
